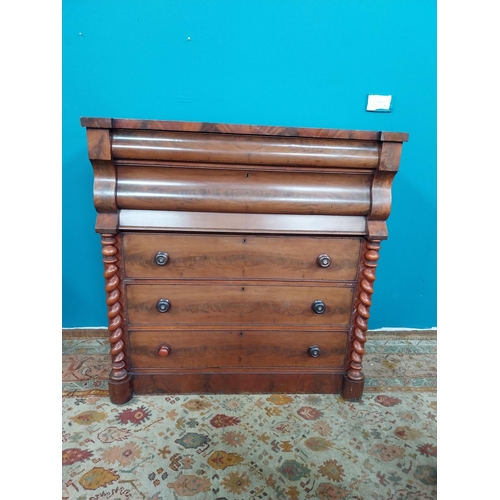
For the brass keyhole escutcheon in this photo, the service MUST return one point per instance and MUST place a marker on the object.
(164, 350)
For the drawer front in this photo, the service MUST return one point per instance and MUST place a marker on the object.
(186, 146)
(239, 191)
(238, 348)
(240, 257)
(242, 304)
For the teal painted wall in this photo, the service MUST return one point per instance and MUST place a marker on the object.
(282, 62)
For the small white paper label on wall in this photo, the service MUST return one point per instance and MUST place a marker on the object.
(379, 103)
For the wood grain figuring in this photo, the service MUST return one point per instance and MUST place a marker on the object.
(255, 150)
(99, 151)
(381, 196)
(107, 223)
(390, 154)
(239, 257)
(244, 304)
(226, 128)
(104, 186)
(159, 220)
(90, 123)
(204, 190)
(238, 348)
(98, 144)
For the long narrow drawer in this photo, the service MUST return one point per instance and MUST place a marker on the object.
(237, 191)
(200, 350)
(243, 304)
(240, 257)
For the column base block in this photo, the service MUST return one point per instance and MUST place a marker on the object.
(120, 392)
(352, 390)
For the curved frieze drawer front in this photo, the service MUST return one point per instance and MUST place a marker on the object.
(149, 145)
(233, 191)
(240, 257)
(244, 304)
(238, 348)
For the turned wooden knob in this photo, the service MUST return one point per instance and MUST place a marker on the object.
(318, 306)
(324, 260)
(314, 351)
(164, 350)
(161, 258)
(163, 305)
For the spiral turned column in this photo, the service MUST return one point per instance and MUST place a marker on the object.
(120, 389)
(354, 377)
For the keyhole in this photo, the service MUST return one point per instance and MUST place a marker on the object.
(248, 175)
(244, 241)
(242, 288)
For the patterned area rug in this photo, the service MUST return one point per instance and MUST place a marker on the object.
(266, 446)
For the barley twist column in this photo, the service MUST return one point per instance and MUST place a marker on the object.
(354, 377)
(119, 379)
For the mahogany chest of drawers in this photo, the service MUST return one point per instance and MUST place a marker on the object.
(239, 258)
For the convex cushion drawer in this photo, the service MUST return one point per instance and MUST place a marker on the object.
(249, 191)
(237, 257)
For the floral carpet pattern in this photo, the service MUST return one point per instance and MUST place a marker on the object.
(263, 446)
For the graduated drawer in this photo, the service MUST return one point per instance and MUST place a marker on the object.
(237, 348)
(240, 257)
(241, 304)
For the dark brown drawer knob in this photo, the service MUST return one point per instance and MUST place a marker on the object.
(314, 351)
(163, 305)
(164, 351)
(323, 260)
(161, 258)
(318, 306)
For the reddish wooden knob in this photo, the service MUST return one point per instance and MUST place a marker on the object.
(164, 351)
